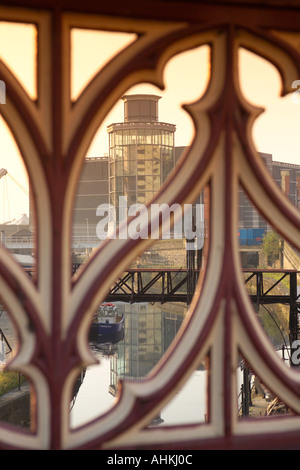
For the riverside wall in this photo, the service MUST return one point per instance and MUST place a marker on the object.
(15, 406)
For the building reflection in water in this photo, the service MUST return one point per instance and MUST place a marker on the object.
(149, 331)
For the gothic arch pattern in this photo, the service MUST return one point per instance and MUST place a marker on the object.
(53, 135)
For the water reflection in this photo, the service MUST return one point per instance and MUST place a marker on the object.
(148, 332)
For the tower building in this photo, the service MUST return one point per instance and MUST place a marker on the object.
(141, 151)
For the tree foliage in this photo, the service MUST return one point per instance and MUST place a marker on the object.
(271, 246)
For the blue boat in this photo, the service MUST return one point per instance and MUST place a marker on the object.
(107, 321)
(107, 345)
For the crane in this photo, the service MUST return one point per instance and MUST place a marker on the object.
(4, 173)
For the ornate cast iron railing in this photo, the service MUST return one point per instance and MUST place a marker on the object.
(52, 312)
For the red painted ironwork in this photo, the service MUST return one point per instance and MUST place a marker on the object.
(53, 135)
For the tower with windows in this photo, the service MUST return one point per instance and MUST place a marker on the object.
(141, 151)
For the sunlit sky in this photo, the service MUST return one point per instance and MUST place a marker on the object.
(275, 132)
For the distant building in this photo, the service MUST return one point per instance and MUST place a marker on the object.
(252, 226)
(17, 236)
(92, 190)
(142, 154)
(287, 176)
(141, 151)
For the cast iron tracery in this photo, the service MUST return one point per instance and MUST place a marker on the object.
(53, 135)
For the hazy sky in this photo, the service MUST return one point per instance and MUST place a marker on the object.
(275, 132)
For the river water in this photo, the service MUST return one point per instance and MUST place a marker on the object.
(94, 399)
(149, 330)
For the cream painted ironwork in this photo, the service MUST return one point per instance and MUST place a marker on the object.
(53, 135)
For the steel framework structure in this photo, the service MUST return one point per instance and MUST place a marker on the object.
(170, 285)
(152, 285)
(173, 285)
